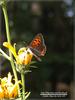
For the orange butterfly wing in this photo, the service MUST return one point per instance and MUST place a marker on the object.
(37, 45)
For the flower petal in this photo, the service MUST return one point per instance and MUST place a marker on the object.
(11, 48)
(14, 90)
(1, 92)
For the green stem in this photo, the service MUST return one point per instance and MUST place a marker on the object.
(23, 85)
(6, 22)
(9, 41)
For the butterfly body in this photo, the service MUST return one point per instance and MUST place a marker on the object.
(37, 46)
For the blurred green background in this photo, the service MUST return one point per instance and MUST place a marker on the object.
(54, 19)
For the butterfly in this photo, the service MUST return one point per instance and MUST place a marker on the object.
(37, 46)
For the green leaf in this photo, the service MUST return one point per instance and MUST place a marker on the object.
(34, 66)
(2, 53)
(27, 95)
(27, 71)
(32, 62)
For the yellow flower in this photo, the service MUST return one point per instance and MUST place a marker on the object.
(11, 48)
(7, 88)
(23, 56)
(1, 92)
